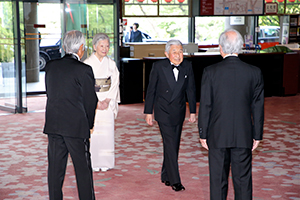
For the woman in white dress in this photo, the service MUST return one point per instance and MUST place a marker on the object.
(107, 88)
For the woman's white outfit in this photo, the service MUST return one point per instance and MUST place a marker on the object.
(102, 139)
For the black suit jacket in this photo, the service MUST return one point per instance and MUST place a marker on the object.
(71, 97)
(231, 111)
(168, 97)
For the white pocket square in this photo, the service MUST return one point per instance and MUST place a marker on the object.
(185, 76)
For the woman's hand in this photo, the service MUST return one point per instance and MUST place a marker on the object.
(102, 105)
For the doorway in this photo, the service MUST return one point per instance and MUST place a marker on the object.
(12, 60)
(42, 25)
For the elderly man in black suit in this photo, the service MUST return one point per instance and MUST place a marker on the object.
(70, 112)
(231, 118)
(171, 80)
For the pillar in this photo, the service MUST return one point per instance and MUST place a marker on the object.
(31, 42)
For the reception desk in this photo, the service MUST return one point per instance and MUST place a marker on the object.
(280, 71)
(131, 81)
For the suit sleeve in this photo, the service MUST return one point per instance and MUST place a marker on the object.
(258, 108)
(90, 99)
(205, 106)
(151, 90)
(191, 90)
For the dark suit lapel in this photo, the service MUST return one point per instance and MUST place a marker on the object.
(169, 74)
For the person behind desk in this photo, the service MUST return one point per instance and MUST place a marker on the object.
(231, 118)
(70, 112)
(107, 89)
(136, 35)
(171, 80)
(128, 34)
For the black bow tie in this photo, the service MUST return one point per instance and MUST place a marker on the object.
(174, 66)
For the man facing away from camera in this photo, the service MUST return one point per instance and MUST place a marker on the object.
(70, 112)
(231, 118)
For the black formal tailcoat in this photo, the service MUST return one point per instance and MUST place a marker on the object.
(231, 111)
(71, 97)
(168, 97)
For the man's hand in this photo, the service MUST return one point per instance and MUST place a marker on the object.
(203, 143)
(192, 117)
(149, 119)
(255, 144)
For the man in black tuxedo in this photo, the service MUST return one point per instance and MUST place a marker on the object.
(70, 111)
(171, 80)
(231, 118)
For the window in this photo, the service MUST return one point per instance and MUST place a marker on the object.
(160, 29)
(203, 30)
(288, 6)
(159, 8)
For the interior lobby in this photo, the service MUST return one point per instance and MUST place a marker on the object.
(27, 26)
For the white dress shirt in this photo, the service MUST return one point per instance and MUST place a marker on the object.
(175, 71)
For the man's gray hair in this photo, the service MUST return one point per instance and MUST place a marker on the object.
(72, 41)
(98, 37)
(231, 44)
(170, 43)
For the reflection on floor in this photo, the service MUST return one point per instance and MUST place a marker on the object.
(8, 98)
(37, 87)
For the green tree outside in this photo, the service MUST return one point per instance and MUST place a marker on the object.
(6, 33)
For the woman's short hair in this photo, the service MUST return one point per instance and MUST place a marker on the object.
(231, 44)
(98, 37)
(72, 41)
(170, 43)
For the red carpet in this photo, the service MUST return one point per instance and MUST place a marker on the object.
(23, 157)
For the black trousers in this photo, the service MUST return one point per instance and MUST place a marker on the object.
(59, 148)
(240, 160)
(171, 140)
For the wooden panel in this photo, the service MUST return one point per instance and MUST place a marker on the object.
(140, 50)
(131, 81)
(290, 73)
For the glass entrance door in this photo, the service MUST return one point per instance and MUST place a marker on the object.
(12, 65)
(23, 42)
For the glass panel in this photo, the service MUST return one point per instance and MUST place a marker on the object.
(7, 67)
(280, 7)
(141, 7)
(100, 20)
(203, 27)
(269, 29)
(269, 32)
(156, 8)
(292, 7)
(160, 29)
(23, 69)
(75, 16)
(31, 41)
(174, 7)
(50, 35)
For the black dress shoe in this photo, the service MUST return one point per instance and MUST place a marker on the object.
(178, 187)
(167, 183)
